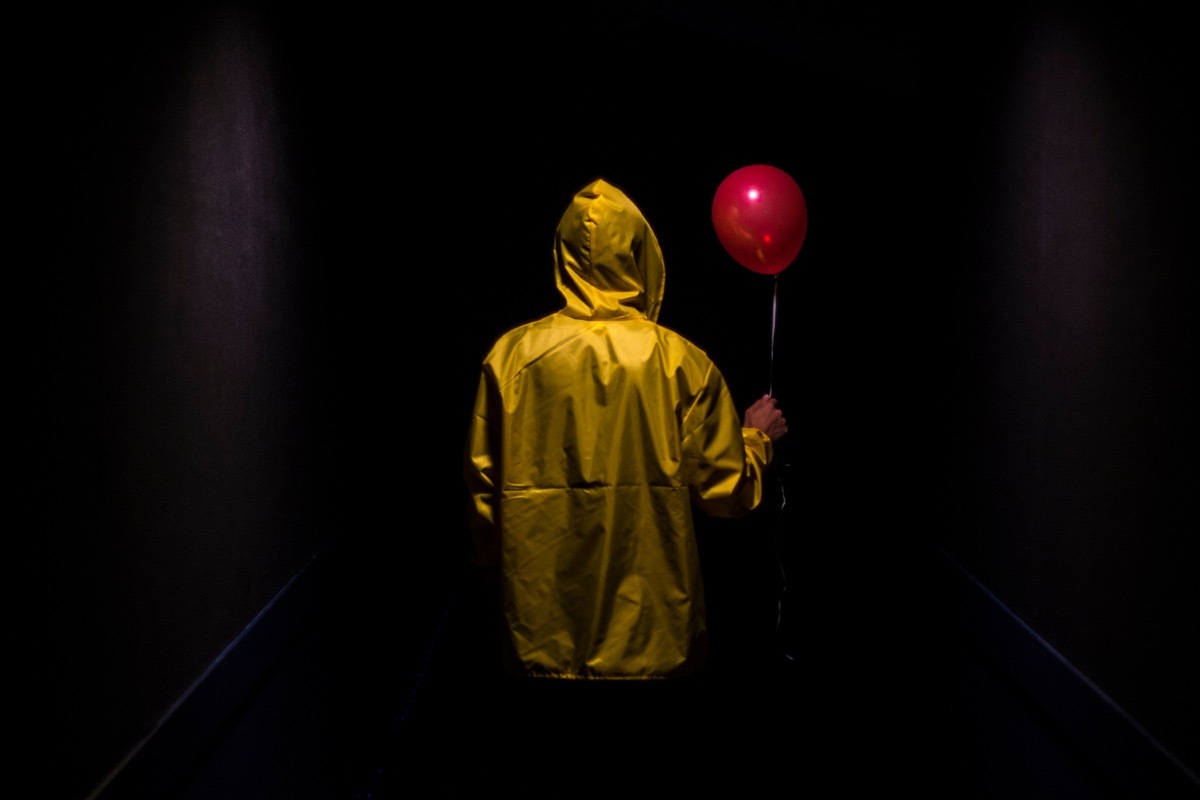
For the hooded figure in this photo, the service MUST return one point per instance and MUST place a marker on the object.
(595, 433)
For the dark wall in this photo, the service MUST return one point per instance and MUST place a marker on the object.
(1068, 475)
(281, 241)
(184, 374)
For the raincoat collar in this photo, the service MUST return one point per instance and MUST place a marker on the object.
(607, 261)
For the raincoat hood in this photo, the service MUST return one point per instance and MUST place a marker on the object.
(607, 261)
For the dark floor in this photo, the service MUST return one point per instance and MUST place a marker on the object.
(396, 693)
(853, 681)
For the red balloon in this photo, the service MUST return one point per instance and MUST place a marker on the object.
(760, 217)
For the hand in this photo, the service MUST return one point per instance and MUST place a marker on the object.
(767, 417)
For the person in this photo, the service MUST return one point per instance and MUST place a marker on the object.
(595, 434)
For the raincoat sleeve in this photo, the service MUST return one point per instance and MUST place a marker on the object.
(726, 462)
(479, 471)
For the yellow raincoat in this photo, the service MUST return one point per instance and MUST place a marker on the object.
(594, 432)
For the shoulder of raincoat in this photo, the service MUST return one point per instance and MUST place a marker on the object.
(595, 433)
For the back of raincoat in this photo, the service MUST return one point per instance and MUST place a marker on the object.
(595, 432)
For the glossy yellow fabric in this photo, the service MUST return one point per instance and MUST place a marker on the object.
(595, 433)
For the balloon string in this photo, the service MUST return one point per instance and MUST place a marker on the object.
(783, 576)
(771, 367)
